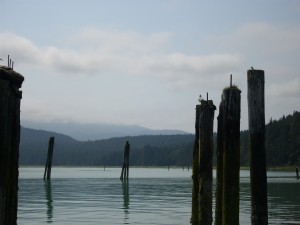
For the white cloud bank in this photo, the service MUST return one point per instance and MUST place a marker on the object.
(99, 51)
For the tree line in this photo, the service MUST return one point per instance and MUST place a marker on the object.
(282, 147)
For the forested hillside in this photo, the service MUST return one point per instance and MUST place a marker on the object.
(282, 142)
(147, 150)
(282, 146)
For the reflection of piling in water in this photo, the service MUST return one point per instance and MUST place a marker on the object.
(10, 99)
(256, 113)
(125, 167)
(125, 187)
(206, 119)
(231, 155)
(48, 192)
(219, 179)
(195, 171)
(49, 159)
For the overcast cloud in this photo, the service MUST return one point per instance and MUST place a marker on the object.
(168, 59)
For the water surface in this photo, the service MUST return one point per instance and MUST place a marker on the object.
(86, 196)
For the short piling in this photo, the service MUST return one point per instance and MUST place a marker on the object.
(125, 167)
(231, 155)
(258, 174)
(10, 100)
(219, 170)
(48, 166)
(206, 119)
(195, 171)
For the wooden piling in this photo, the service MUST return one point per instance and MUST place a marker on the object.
(195, 171)
(125, 167)
(206, 119)
(258, 174)
(297, 173)
(10, 99)
(231, 155)
(219, 178)
(48, 165)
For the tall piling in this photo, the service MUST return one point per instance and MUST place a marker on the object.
(219, 178)
(195, 171)
(10, 100)
(125, 167)
(206, 119)
(48, 166)
(258, 174)
(231, 155)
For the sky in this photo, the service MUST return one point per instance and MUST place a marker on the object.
(141, 62)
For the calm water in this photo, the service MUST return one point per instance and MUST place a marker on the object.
(86, 196)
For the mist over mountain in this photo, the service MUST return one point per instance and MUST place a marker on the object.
(146, 150)
(96, 131)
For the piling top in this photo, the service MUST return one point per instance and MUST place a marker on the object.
(7, 73)
(254, 71)
(233, 87)
(208, 103)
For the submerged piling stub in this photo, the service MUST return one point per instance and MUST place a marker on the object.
(231, 155)
(206, 119)
(195, 173)
(48, 165)
(219, 179)
(258, 174)
(10, 100)
(125, 167)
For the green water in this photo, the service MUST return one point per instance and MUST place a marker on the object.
(86, 196)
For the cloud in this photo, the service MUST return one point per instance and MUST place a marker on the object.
(282, 91)
(259, 39)
(98, 51)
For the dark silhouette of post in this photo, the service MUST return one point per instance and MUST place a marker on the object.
(10, 99)
(231, 155)
(49, 159)
(126, 198)
(49, 200)
(195, 173)
(206, 119)
(258, 174)
(219, 179)
(297, 173)
(125, 167)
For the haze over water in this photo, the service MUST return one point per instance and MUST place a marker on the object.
(151, 196)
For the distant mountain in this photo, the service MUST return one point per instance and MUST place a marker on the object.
(145, 149)
(282, 147)
(97, 131)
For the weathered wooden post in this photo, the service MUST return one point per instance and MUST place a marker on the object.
(297, 173)
(10, 100)
(49, 159)
(195, 171)
(219, 179)
(256, 113)
(231, 155)
(125, 167)
(206, 120)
